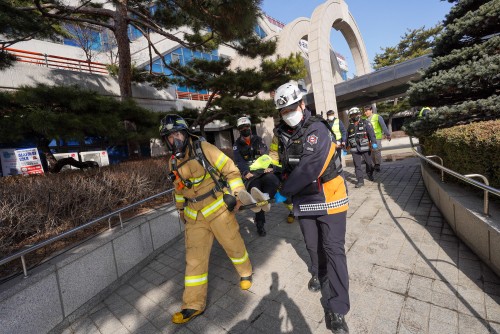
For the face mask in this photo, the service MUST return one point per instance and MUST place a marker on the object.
(178, 148)
(331, 118)
(245, 132)
(293, 118)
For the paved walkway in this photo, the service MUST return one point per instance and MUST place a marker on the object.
(408, 274)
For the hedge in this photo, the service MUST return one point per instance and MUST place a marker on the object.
(468, 149)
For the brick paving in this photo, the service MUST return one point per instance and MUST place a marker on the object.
(408, 274)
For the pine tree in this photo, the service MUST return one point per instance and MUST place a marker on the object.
(43, 113)
(205, 25)
(462, 82)
(233, 92)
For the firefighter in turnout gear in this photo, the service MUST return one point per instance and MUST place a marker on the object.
(313, 180)
(201, 175)
(247, 149)
(360, 140)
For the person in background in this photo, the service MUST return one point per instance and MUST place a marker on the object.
(247, 149)
(424, 112)
(338, 129)
(360, 141)
(381, 130)
(200, 172)
(312, 174)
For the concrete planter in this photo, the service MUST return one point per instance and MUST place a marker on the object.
(464, 213)
(75, 281)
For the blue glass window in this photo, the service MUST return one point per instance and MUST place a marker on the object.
(184, 56)
(259, 31)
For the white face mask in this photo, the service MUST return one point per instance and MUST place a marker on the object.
(293, 118)
(331, 118)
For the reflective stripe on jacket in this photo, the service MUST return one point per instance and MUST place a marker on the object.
(190, 168)
(309, 195)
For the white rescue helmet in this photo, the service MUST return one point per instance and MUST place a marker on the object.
(353, 111)
(287, 95)
(243, 121)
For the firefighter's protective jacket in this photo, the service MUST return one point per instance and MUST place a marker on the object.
(189, 168)
(303, 182)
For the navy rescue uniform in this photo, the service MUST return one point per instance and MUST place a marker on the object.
(245, 155)
(313, 179)
(360, 136)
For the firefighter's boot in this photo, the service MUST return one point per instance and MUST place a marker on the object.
(185, 315)
(246, 282)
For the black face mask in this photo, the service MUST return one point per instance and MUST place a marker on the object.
(179, 148)
(245, 132)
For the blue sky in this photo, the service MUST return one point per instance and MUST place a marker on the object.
(382, 22)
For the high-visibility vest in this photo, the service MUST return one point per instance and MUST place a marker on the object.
(336, 129)
(422, 111)
(263, 162)
(376, 126)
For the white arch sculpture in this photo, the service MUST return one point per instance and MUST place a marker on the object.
(332, 13)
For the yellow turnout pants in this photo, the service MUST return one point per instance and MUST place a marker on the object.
(199, 236)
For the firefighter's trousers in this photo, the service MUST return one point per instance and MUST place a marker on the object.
(199, 238)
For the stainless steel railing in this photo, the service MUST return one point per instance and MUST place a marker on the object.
(44, 243)
(466, 178)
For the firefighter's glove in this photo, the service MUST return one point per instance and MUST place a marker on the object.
(374, 146)
(279, 198)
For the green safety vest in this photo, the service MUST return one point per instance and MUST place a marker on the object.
(421, 113)
(376, 126)
(336, 129)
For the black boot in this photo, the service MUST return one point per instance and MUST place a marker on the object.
(360, 183)
(260, 220)
(336, 323)
(370, 176)
(314, 284)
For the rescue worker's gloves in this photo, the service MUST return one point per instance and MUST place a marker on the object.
(374, 146)
(388, 137)
(279, 198)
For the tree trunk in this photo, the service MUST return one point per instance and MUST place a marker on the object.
(123, 44)
(202, 130)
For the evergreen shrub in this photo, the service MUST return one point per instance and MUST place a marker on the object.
(468, 149)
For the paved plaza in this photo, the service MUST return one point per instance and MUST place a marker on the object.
(408, 274)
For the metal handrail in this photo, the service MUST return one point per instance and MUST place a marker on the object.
(44, 243)
(485, 207)
(465, 178)
(442, 164)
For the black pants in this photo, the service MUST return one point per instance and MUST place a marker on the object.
(356, 158)
(267, 183)
(325, 239)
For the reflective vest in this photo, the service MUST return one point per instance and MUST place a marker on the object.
(423, 111)
(336, 129)
(357, 137)
(263, 162)
(376, 126)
